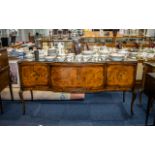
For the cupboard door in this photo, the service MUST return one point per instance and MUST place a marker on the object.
(65, 76)
(78, 77)
(27, 76)
(93, 77)
(35, 75)
(41, 75)
(120, 76)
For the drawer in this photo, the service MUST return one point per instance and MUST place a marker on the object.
(87, 77)
(3, 58)
(120, 76)
(4, 79)
(34, 75)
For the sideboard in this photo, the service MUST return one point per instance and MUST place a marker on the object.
(77, 77)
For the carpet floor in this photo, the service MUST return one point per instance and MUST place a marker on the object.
(98, 109)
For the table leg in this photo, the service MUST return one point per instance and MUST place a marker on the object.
(140, 97)
(1, 105)
(123, 96)
(148, 110)
(151, 105)
(11, 92)
(154, 121)
(10, 87)
(132, 101)
(22, 101)
(31, 94)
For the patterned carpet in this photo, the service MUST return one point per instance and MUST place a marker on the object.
(98, 109)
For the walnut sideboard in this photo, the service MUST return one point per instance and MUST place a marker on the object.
(77, 77)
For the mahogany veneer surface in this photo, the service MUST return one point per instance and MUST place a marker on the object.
(77, 77)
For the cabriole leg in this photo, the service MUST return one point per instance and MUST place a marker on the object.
(1, 105)
(132, 101)
(148, 110)
(22, 101)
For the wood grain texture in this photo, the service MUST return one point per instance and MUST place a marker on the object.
(93, 77)
(35, 75)
(120, 76)
(5, 79)
(3, 58)
(72, 77)
(84, 77)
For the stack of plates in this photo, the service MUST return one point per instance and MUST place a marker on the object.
(50, 58)
(88, 52)
(116, 57)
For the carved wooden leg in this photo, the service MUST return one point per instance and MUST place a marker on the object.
(151, 105)
(154, 121)
(22, 101)
(148, 110)
(123, 96)
(132, 101)
(1, 106)
(10, 87)
(140, 97)
(11, 92)
(31, 94)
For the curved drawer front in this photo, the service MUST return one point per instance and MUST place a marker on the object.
(67, 77)
(120, 76)
(34, 75)
(86, 77)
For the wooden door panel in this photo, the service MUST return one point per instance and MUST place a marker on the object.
(121, 76)
(81, 77)
(27, 76)
(93, 77)
(34, 75)
(41, 75)
(65, 77)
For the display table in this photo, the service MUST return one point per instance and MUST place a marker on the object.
(77, 77)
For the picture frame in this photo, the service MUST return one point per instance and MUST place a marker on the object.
(14, 73)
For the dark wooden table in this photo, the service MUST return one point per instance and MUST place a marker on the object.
(4, 74)
(149, 90)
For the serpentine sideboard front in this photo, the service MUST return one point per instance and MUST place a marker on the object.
(77, 77)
